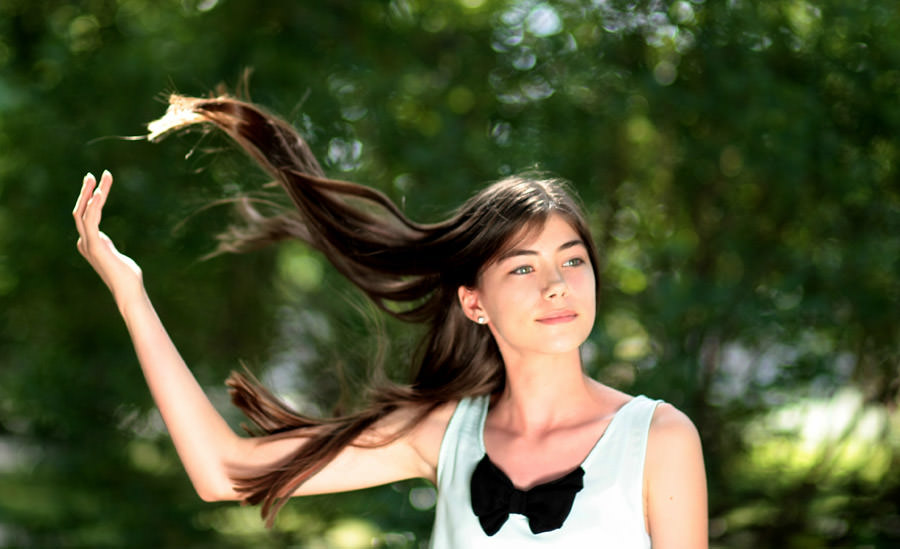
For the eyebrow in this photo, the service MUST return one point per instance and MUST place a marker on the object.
(519, 251)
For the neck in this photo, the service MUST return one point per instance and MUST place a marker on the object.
(544, 390)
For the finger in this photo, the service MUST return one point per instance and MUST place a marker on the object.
(94, 211)
(87, 187)
(102, 191)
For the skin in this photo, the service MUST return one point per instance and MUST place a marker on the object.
(539, 303)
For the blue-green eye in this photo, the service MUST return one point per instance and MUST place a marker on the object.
(524, 269)
(574, 262)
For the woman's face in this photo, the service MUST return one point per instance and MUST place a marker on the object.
(540, 296)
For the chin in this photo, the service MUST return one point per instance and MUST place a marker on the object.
(562, 347)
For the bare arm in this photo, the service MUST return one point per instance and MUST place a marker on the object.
(675, 483)
(208, 448)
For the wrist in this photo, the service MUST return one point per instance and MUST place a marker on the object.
(128, 301)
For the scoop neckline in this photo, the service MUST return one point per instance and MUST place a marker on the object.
(597, 443)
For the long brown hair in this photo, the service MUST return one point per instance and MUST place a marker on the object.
(410, 270)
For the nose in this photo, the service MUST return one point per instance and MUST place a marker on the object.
(556, 287)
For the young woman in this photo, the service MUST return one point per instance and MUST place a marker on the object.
(524, 448)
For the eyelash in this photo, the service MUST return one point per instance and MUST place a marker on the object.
(526, 269)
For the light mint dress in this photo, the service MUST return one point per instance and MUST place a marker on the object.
(608, 512)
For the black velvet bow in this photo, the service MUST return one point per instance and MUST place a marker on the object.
(546, 505)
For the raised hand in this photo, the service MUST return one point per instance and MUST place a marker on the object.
(120, 274)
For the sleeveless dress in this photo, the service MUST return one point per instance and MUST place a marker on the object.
(607, 512)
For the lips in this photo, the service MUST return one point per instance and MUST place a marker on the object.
(558, 317)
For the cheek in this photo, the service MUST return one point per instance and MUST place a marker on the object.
(504, 300)
(585, 282)
(587, 288)
(508, 302)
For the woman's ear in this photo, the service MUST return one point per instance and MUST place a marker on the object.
(471, 305)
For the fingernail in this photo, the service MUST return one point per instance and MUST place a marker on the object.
(106, 173)
(87, 176)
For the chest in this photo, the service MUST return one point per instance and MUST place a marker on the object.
(532, 460)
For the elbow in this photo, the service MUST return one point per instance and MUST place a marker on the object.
(209, 496)
(213, 483)
(215, 492)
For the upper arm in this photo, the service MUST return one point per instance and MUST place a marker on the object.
(362, 464)
(675, 482)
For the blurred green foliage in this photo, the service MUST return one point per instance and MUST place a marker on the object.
(739, 162)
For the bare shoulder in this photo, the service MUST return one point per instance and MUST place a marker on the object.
(672, 426)
(421, 434)
(433, 424)
(427, 435)
(673, 442)
(675, 481)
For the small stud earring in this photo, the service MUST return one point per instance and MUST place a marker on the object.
(481, 320)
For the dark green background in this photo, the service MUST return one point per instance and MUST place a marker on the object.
(738, 160)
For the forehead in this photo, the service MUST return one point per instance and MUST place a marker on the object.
(553, 232)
